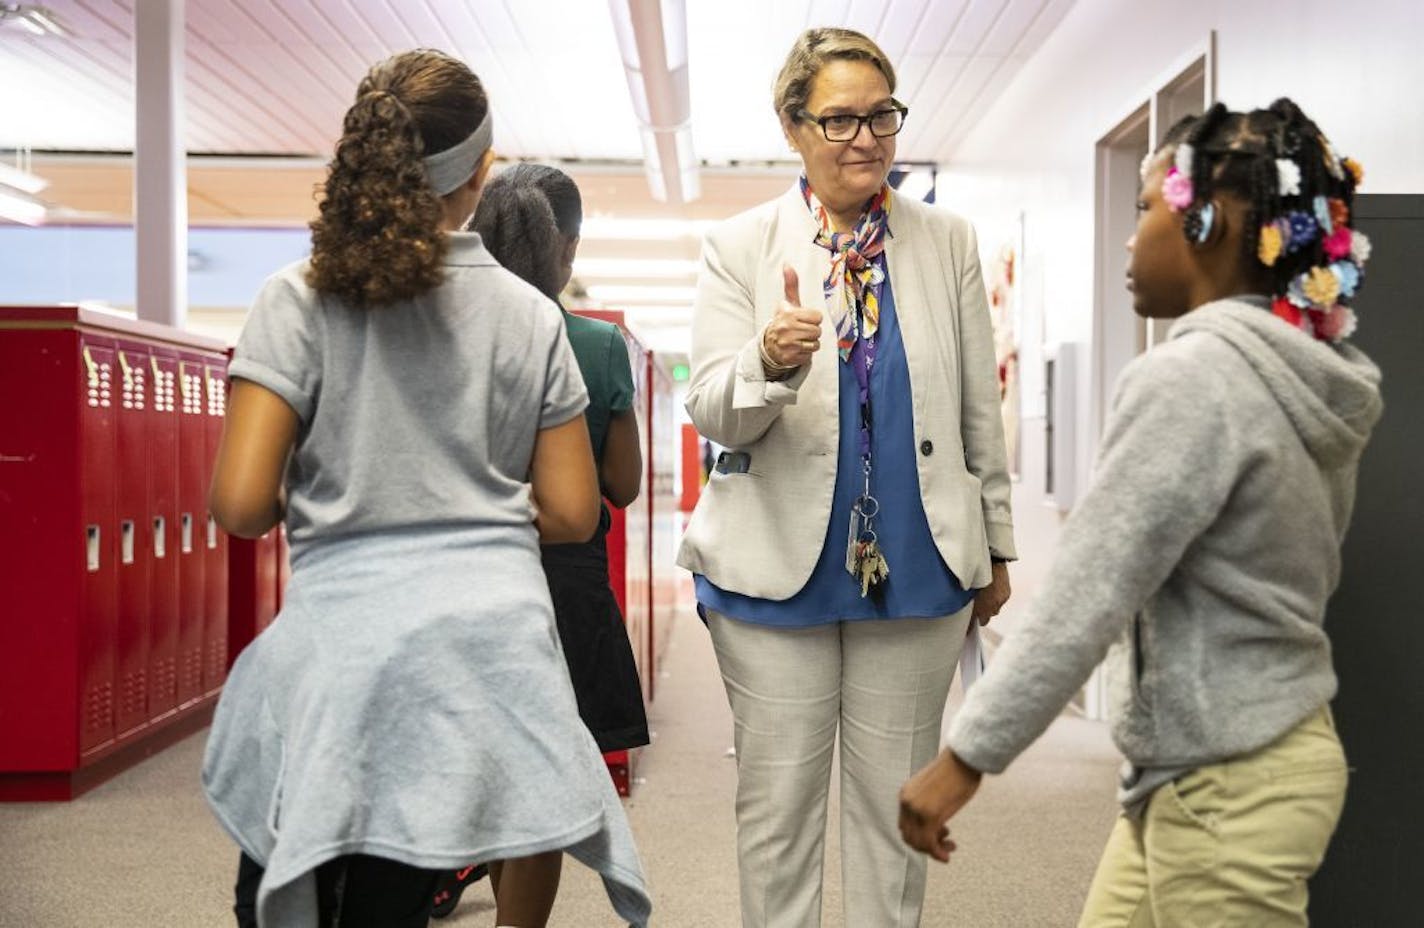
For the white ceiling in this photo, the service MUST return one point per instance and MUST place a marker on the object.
(266, 77)
(275, 76)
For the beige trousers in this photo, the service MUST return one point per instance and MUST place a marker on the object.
(1231, 844)
(882, 686)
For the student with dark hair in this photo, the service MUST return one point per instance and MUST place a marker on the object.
(529, 218)
(414, 413)
(1209, 544)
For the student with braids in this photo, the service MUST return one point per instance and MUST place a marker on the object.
(1209, 543)
(415, 414)
(529, 218)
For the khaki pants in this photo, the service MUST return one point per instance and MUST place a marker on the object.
(1231, 844)
(882, 686)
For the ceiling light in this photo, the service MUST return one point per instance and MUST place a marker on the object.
(643, 230)
(21, 180)
(32, 18)
(633, 267)
(20, 207)
(652, 41)
(632, 293)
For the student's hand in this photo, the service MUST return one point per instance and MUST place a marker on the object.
(794, 333)
(930, 798)
(989, 600)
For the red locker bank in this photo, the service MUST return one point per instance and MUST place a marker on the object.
(641, 551)
(114, 579)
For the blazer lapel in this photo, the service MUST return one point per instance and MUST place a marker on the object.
(904, 258)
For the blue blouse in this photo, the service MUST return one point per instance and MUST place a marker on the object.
(920, 585)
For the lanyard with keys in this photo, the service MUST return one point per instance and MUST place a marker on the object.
(864, 559)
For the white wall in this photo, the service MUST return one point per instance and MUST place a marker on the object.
(1354, 68)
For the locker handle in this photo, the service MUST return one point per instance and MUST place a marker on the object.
(92, 550)
(212, 531)
(185, 522)
(157, 371)
(89, 362)
(160, 537)
(183, 380)
(128, 370)
(126, 541)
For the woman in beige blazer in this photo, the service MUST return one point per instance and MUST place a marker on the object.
(859, 517)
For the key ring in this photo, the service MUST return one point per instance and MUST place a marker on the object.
(869, 513)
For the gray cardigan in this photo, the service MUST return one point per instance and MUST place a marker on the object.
(1207, 549)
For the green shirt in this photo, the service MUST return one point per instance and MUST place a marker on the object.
(602, 356)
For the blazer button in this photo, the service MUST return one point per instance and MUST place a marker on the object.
(927, 447)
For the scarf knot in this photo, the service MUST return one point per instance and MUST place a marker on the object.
(854, 271)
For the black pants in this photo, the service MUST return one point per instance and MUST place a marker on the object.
(352, 892)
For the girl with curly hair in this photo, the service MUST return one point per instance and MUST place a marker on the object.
(415, 414)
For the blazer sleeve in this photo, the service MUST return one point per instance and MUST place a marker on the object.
(729, 398)
(981, 419)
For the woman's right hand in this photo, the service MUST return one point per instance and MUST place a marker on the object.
(794, 333)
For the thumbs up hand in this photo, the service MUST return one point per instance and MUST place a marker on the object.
(794, 333)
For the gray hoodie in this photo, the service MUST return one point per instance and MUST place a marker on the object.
(1206, 549)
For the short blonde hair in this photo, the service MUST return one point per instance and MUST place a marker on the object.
(813, 49)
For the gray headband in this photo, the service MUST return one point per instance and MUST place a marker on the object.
(450, 168)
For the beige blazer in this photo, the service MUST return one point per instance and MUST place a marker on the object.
(760, 533)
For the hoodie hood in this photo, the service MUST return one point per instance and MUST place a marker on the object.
(1329, 392)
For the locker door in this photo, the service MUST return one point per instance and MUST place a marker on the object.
(192, 508)
(215, 541)
(95, 544)
(133, 532)
(44, 383)
(162, 534)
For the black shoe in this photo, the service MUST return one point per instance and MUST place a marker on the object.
(452, 885)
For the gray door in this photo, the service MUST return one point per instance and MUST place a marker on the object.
(1372, 874)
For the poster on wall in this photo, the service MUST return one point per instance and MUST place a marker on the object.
(1004, 310)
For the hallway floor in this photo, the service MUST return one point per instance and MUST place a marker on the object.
(142, 851)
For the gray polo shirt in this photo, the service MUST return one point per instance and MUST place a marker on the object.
(415, 413)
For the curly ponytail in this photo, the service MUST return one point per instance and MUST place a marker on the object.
(526, 217)
(378, 238)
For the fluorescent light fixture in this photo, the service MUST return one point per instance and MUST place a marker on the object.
(633, 293)
(35, 19)
(633, 267)
(22, 208)
(661, 313)
(658, 86)
(21, 180)
(674, 34)
(642, 230)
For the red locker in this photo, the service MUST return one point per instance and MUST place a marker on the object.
(192, 512)
(98, 591)
(135, 551)
(77, 493)
(252, 589)
(163, 525)
(215, 540)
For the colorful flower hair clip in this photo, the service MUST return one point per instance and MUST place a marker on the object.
(1337, 244)
(1288, 177)
(1269, 244)
(1331, 159)
(1348, 275)
(1177, 190)
(1322, 215)
(1339, 212)
(1359, 248)
(1353, 166)
(1336, 324)
(1320, 287)
(1303, 230)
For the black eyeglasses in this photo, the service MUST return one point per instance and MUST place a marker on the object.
(843, 127)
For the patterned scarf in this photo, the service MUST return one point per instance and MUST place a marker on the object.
(854, 270)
